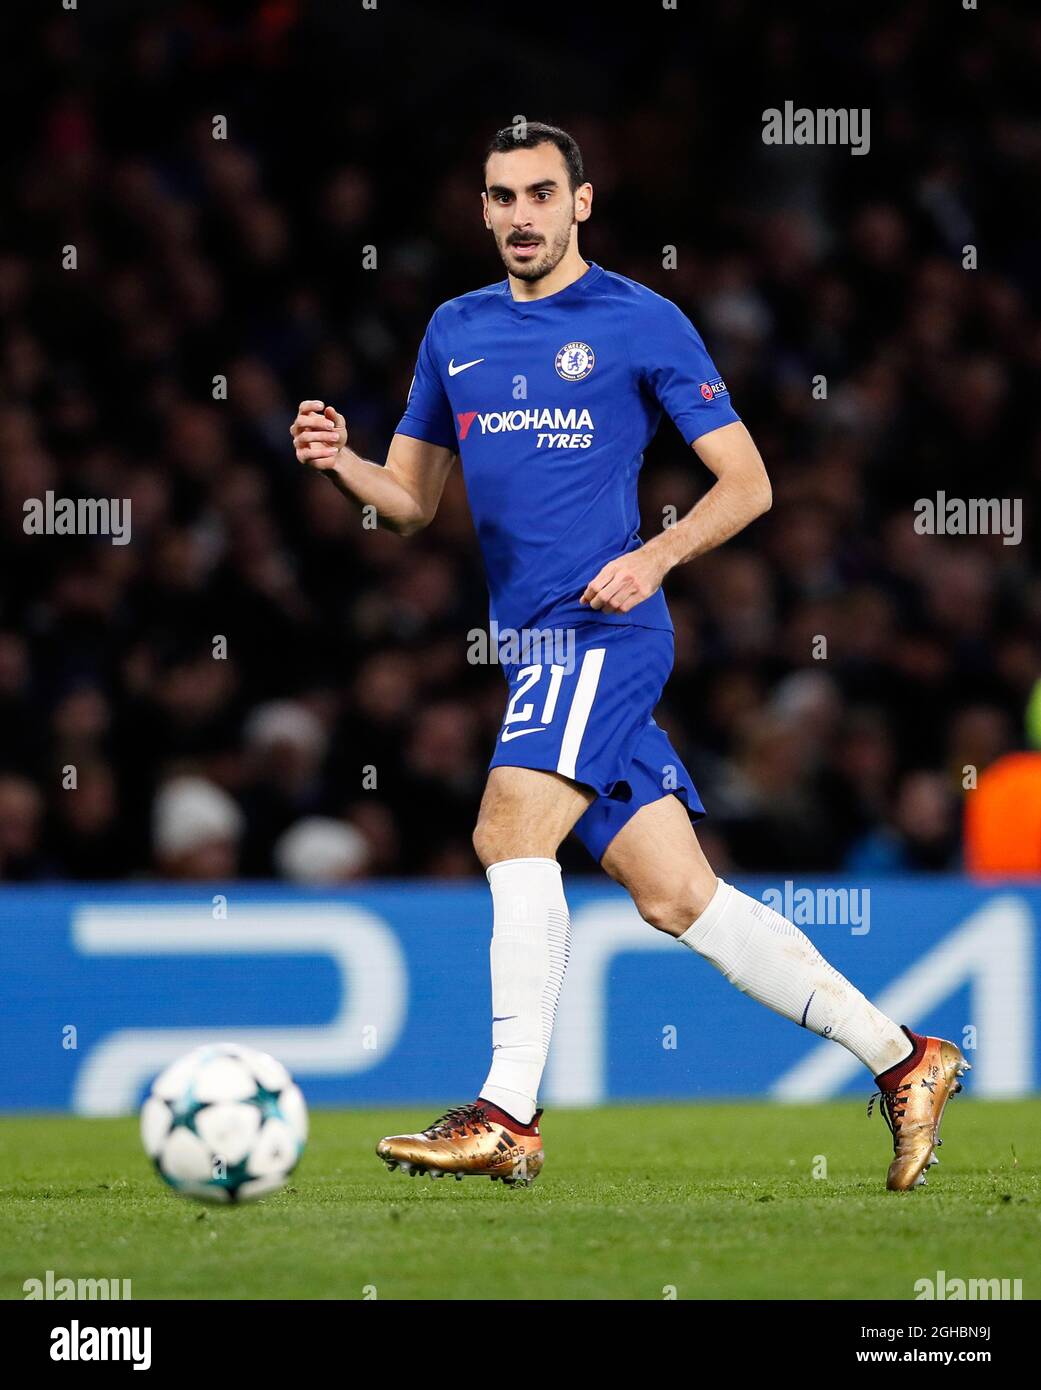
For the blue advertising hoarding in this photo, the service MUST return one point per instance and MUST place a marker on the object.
(380, 994)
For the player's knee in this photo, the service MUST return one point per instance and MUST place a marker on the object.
(493, 843)
(489, 844)
(662, 914)
(674, 911)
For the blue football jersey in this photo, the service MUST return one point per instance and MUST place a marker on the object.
(550, 404)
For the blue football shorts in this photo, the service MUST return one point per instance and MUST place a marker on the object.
(583, 707)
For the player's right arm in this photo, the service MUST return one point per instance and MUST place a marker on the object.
(405, 492)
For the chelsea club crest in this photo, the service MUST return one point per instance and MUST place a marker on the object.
(574, 361)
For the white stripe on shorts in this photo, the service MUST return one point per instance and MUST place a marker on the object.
(578, 715)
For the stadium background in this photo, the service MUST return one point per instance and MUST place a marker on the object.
(350, 129)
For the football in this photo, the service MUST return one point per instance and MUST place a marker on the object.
(224, 1124)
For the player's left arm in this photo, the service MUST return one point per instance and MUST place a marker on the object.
(740, 493)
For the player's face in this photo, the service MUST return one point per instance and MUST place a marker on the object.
(530, 209)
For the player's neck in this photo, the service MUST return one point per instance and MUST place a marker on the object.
(571, 268)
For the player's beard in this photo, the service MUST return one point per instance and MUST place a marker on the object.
(553, 252)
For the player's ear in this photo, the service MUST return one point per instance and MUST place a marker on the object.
(484, 209)
(583, 202)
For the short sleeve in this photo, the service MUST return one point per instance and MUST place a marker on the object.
(674, 366)
(428, 412)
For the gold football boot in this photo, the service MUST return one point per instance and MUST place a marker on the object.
(913, 1095)
(476, 1140)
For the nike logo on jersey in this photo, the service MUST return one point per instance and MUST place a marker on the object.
(507, 734)
(453, 370)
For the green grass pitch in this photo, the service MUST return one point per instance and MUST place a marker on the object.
(635, 1202)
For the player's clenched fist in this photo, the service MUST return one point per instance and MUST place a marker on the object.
(625, 582)
(319, 433)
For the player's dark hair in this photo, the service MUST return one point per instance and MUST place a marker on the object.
(528, 134)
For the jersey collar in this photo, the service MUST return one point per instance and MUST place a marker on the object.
(524, 307)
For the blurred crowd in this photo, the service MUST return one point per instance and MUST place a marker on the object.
(259, 685)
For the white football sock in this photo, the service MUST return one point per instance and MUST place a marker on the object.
(531, 941)
(769, 958)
